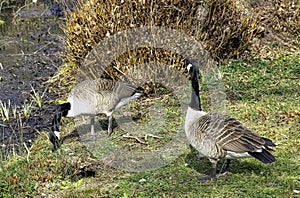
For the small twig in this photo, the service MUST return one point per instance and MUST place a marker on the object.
(285, 136)
(44, 46)
(3, 125)
(28, 151)
(17, 12)
(180, 10)
(1, 4)
(136, 138)
(145, 137)
(151, 135)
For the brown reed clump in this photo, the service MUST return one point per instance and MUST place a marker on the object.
(281, 20)
(224, 30)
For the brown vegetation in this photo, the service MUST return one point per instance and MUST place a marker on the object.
(281, 21)
(221, 26)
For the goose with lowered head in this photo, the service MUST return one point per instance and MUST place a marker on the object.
(92, 97)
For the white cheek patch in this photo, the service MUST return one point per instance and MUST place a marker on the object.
(189, 66)
(57, 133)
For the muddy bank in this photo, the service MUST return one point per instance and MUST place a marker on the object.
(30, 53)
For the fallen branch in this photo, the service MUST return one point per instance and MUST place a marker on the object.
(145, 137)
(136, 138)
(151, 135)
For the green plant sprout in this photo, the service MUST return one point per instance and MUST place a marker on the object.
(4, 110)
(27, 109)
(37, 97)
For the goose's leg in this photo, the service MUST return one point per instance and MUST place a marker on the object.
(92, 136)
(213, 172)
(213, 175)
(226, 168)
(109, 130)
(93, 125)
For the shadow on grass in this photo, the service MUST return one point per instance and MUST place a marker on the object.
(103, 122)
(203, 166)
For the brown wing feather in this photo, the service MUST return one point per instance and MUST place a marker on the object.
(125, 90)
(234, 136)
(115, 90)
(104, 85)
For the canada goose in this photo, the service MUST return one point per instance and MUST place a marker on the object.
(92, 97)
(217, 136)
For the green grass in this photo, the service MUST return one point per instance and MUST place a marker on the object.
(264, 95)
(37, 97)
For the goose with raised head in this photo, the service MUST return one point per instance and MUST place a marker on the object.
(92, 97)
(219, 136)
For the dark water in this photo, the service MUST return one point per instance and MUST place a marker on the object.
(30, 53)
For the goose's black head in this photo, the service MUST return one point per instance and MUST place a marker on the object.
(193, 68)
(61, 110)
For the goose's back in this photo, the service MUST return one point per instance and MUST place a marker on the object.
(98, 96)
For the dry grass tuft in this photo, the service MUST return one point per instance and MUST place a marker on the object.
(224, 29)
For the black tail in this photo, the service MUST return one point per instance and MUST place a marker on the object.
(268, 143)
(264, 156)
(140, 89)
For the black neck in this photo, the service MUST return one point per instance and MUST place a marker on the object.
(195, 98)
(62, 110)
(56, 122)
